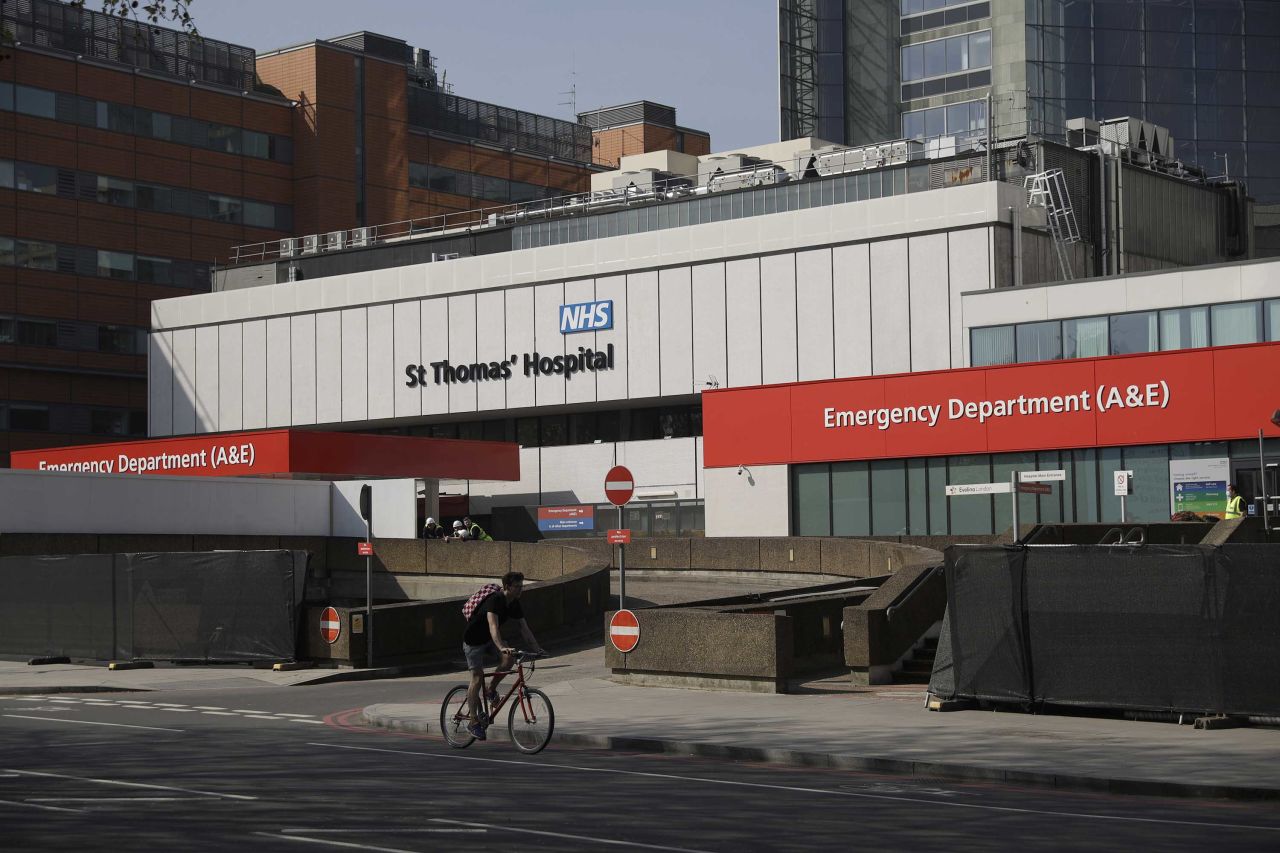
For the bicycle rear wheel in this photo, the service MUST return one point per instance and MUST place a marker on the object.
(531, 721)
(455, 717)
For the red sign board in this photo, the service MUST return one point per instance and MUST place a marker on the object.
(624, 630)
(330, 625)
(1211, 394)
(619, 537)
(619, 485)
(1035, 488)
(364, 549)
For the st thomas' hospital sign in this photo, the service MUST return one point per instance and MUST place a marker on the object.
(579, 317)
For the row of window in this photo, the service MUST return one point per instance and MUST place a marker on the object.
(961, 120)
(958, 15)
(894, 497)
(87, 186)
(446, 180)
(1204, 16)
(1122, 334)
(1205, 51)
(74, 420)
(1162, 85)
(85, 260)
(915, 7)
(944, 56)
(946, 85)
(121, 118)
(581, 428)
(73, 334)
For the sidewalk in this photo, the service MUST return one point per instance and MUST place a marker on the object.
(887, 729)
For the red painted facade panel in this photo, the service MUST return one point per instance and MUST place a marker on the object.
(286, 453)
(1213, 394)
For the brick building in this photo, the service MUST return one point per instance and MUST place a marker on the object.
(133, 158)
(638, 128)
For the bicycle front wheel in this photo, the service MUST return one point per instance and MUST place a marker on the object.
(455, 717)
(531, 721)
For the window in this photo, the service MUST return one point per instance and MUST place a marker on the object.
(6, 330)
(1039, 341)
(161, 199)
(259, 214)
(1184, 328)
(118, 339)
(115, 191)
(28, 418)
(7, 258)
(108, 422)
(257, 144)
(113, 117)
(1134, 333)
(35, 255)
(155, 270)
(6, 174)
(6, 96)
(1273, 319)
(1238, 323)
(1084, 337)
(992, 345)
(812, 510)
(115, 264)
(36, 102)
(35, 178)
(224, 208)
(36, 333)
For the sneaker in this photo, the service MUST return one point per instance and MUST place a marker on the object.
(477, 732)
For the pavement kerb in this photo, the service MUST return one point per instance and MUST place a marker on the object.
(833, 761)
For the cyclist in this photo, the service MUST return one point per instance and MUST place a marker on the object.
(483, 636)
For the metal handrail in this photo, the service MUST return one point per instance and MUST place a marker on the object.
(557, 206)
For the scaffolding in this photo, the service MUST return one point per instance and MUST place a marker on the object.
(798, 30)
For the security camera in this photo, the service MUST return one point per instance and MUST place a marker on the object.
(741, 468)
(1275, 417)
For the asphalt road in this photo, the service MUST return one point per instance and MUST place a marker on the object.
(290, 768)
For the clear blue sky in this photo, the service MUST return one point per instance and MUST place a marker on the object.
(715, 61)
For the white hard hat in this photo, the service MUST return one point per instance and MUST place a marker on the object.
(431, 521)
(457, 524)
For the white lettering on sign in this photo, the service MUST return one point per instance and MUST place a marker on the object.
(215, 457)
(978, 489)
(1153, 395)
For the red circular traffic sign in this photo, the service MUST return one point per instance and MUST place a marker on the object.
(624, 630)
(619, 485)
(330, 625)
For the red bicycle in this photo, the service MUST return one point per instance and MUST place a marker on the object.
(530, 721)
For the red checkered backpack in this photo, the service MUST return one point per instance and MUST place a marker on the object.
(478, 597)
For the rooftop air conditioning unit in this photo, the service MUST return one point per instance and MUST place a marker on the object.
(361, 236)
(335, 240)
(310, 244)
(445, 256)
(289, 247)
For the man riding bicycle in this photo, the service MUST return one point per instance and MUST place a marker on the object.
(483, 636)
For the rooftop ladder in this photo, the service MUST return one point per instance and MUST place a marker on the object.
(1049, 190)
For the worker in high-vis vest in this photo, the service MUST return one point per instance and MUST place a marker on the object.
(1235, 503)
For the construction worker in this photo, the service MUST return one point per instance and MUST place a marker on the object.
(476, 531)
(1235, 503)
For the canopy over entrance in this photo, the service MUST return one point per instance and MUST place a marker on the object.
(287, 453)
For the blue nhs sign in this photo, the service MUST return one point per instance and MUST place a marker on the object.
(586, 317)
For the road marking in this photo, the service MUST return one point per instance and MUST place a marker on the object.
(261, 717)
(66, 701)
(334, 843)
(209, 708)
(179, 710)
(282, 714)
(92, 723)
(379, 830)
(220, 713)
(111, 799)
(132, 784)
(243, 711)
(594, 839)
(169, 705)
(312, 722)
(801, 790)
(38, 806)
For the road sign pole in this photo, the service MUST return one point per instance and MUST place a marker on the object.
(622, 571)
(368, 593)
(1013, 488)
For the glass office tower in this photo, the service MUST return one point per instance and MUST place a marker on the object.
(1208, 70)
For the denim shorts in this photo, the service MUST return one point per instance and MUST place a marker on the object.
(475, 655)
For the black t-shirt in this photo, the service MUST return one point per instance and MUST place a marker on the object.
(477, 633)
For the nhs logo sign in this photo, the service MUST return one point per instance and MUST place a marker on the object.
(586, 317)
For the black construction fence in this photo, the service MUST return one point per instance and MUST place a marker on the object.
(1176, 628)
(210, 606)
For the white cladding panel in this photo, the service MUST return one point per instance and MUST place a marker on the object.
(710, 360)
(302, 346)
(851, 309)
(643, 357)
(582, 387)
(815, 315)
(382, 368)
(408, 351)
(435, 347)
(968, 270)
(255, 374)
(160, 383)
(184, 381)
(778, 307)
(930, 303)
(549, 343)
(491, 346)
(328, 367)
(742, 318)
(355, 364)
(279, 390)
(675, 328)
(670, 462)
(230, 377)
(612, 384)
(574, 473)
(890, 308)
(207, 379)
(462, 350)
(519, 324)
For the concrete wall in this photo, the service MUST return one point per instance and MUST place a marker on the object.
(755, 502)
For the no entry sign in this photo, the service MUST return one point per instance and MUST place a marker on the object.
(330, 625)
(624, 631)
(619, 485)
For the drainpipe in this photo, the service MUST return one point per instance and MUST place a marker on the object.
(1015, 224)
